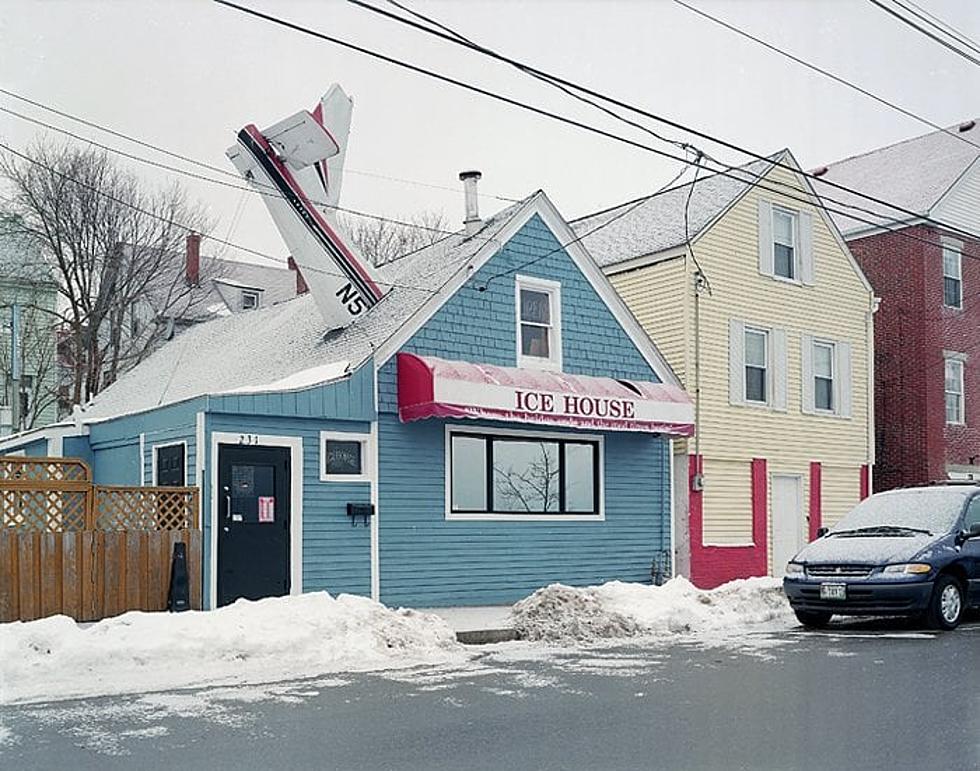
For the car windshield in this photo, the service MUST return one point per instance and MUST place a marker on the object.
(934, 509)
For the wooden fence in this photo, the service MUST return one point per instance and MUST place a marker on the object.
(89, 551)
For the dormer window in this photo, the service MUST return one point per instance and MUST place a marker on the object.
(250, 300)
(538, 323)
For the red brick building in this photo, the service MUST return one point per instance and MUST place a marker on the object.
(926, 270)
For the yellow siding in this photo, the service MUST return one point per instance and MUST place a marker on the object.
(841, 491)
(655, 295)
(727, 502)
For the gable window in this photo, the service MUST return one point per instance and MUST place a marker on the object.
(756, 366)
(784, 229)
(343, 457)
(169, 465)
(250, 300)
(955, 411)
(952, 276)
(538, 323)
(503, 475)
(823, 376)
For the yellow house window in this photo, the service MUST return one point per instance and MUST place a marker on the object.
(756, 366)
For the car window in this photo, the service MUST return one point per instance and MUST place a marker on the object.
(972, 513)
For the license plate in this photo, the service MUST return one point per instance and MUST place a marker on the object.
(833, 591)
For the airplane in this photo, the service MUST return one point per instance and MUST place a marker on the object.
(297, 166)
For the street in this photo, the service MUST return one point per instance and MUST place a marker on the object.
(883, 694)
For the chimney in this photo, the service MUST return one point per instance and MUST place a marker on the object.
(472, 221)
(192, 264)
(301, 287)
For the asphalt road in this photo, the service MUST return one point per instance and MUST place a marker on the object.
(862, 696)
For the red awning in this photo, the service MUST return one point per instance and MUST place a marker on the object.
(436, 388)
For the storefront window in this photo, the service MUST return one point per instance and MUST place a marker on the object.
(513, 475)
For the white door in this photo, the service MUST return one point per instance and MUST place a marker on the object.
(787, 520)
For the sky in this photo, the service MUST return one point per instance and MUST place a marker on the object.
(185, 76)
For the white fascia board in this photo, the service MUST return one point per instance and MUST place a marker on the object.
(635, 263)
(55, 433)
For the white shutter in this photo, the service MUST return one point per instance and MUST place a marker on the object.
(778, 365)
(806, 247)
(765, 238)
(844, 379)
(806, 360)
(736, 362)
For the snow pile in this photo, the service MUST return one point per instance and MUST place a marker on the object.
(616, 609)
(247, 642)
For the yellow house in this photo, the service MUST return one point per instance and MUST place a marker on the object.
(763, 313)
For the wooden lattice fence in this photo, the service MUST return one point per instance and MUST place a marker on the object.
(89, 551)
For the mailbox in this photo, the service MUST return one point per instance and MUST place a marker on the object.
(362, 510)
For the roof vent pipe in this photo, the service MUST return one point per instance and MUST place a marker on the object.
(472, 221)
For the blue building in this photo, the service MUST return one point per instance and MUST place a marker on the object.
(498, 422)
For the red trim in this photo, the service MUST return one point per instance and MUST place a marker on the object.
(816, 499)
(712, 566)
(865, 481)
(291, 181)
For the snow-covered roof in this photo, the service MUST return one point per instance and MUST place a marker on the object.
(913, 174)
(264, 349)
(647, 226)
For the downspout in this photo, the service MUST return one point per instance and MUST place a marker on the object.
(870, 333)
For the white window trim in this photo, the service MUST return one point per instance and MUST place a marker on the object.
(451, 428)
(295, 445)
(959, 359)
(835, 384)
(364, 439)
(154, 460)
(553, 289)
(956, 247)
(767, 404)
(797, 266)
(251, 293)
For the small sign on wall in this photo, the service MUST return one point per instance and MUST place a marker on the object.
(267, 508)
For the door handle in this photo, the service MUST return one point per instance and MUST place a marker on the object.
(227, 507)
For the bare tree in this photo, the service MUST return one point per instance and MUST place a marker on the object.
(116, 250)
(39, 388)
(534, 488)
(382, 241)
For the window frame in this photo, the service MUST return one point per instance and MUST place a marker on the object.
(365, 439)
(504, 434)
(553, 290)
(254, 294)
(834, 408)
(767, 374)
(795, 217)
(955, 249)
(961, 363)
(155, 460)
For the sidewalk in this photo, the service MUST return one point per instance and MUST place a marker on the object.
(478, 625)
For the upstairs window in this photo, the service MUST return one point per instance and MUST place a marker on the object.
(250, 300)
(952, 276)
(784, 229)
(538, 323)
(823, 376)
(955, 411)
(756, 366)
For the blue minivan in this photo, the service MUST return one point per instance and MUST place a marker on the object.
(908, 552)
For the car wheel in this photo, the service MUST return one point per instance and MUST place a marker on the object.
(814, 619)
(946, 605)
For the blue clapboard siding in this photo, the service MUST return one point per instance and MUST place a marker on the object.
(336, 555)
(349, 399)
(34, 448)
(427, 561)
(78, 447)
(481, 326)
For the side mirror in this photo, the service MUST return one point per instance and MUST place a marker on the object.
(822, 531)
(973, 531)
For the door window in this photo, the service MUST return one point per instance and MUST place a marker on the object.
(972, 513)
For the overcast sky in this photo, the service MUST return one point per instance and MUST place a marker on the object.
(187, 75)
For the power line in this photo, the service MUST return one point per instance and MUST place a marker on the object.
(826, 73)
(932, 36)
(936, 23)
(218, 169)
(458, 39)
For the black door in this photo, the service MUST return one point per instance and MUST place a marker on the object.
(253, 522)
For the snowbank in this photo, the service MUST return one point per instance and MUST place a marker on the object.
(247, 642)
(617, 609)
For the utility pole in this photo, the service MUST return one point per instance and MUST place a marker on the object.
(15, 366)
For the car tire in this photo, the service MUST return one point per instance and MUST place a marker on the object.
(946, 605)
(813, 619)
